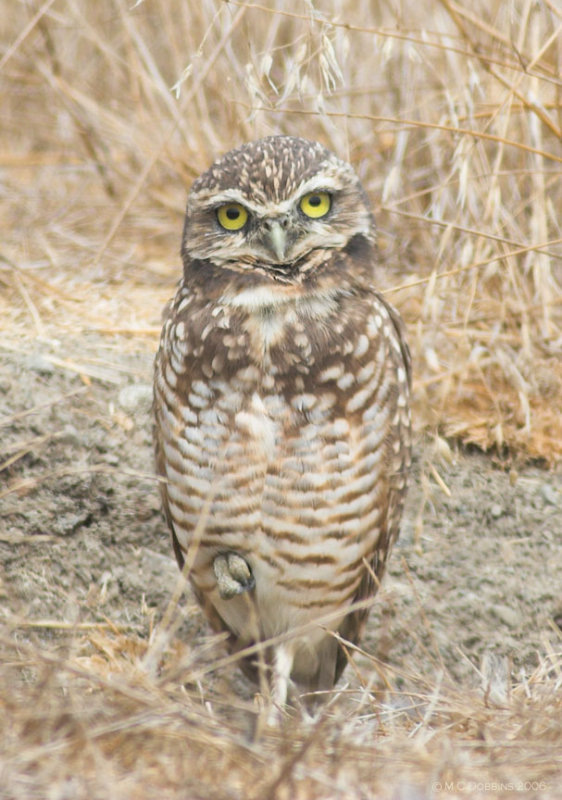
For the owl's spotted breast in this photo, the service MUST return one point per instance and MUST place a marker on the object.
(282, 429)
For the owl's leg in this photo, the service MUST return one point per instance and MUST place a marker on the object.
(282, 667)
(233, 575)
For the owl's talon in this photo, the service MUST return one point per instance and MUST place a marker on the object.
(233, 574)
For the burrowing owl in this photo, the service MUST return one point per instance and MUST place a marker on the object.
(282, 407)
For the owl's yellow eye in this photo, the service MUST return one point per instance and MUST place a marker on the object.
(316, 204)
(232, 216)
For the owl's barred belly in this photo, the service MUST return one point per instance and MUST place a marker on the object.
(304, 496)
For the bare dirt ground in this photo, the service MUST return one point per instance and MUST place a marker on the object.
(474, 582)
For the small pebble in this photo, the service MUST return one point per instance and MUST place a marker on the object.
(496, 510)
(506, 614)
(38, 363)
(70, 436)
(136, 398)
(550, 495)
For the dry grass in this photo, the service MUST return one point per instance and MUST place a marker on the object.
(452, 113)
(92, 719)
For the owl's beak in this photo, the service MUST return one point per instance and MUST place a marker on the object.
(276, 239)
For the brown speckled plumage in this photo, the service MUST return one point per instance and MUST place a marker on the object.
(282, 408)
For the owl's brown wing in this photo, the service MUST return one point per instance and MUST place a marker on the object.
(351, 629)
(160, 461)
(400, 330)
(168, 313)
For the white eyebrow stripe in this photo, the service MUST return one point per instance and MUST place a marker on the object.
(233, 196)
(320, 183)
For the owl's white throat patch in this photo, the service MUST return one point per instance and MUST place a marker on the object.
(271, 308)
(266, 300)
(257, 298)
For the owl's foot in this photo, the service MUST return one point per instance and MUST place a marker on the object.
(233, 574)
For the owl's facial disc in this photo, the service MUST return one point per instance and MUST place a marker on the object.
(275, 236)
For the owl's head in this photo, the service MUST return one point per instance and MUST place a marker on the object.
(274, 208)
